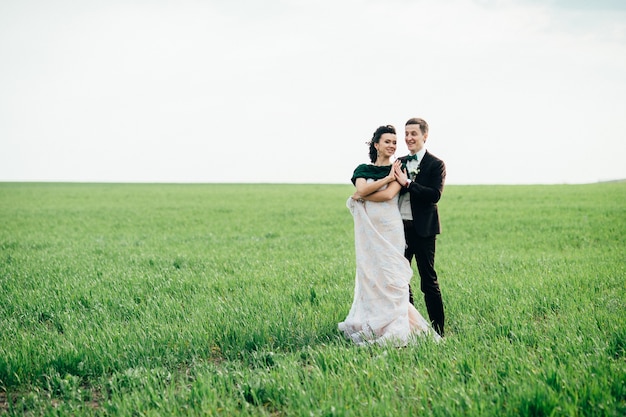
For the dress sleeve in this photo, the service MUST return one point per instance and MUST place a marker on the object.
(359, 172)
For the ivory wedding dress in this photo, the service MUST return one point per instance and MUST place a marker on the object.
(381, 312)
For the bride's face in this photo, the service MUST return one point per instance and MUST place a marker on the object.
(387, 145)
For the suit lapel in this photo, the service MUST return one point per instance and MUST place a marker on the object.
(403, 160)
(425, 161)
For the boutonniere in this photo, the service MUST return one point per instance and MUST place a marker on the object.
(414, 172)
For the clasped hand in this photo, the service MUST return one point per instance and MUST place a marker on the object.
(395, 174)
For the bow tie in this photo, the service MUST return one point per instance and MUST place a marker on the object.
(411, 158)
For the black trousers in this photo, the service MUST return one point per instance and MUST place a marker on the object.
(423, 249)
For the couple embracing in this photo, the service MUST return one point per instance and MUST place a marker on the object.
(395, 219)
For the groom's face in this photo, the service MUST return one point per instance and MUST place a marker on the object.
(414, 138)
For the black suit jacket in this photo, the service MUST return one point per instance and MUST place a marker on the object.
(425, 192)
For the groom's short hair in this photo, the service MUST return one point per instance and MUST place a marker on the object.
(417, 121)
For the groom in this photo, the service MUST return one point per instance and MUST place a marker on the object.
(422, 176)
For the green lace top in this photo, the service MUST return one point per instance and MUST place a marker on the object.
(370, 171)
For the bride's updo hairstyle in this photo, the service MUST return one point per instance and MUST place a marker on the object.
(376, 138)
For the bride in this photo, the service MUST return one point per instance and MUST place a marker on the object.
(381, 312)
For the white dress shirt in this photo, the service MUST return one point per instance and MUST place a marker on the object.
(405, 199)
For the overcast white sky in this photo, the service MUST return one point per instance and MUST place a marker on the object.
(517, 91)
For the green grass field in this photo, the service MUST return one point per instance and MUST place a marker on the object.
(131, 299)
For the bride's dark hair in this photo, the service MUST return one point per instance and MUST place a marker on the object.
(376, 138)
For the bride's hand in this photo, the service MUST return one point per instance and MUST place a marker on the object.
(392, 172)
(357, 197)
(400, 176)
